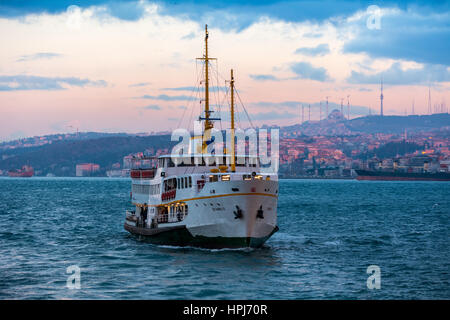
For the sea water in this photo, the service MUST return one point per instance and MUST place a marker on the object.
(53, 230)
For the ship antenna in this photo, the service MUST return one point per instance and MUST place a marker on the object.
(233, 165)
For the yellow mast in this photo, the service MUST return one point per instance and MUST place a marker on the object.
(233, 165)
(208, 123)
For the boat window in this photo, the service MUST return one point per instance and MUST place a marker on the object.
(171, 163)
(246, 177)
(186, 162)
(226, 177)
(178, 183)
(200, 162)
(213, 178)
(185, 182)
(170, 184)
(211, 161)
(252, 162)
(190, 182)
(240, 162)
(182, 183)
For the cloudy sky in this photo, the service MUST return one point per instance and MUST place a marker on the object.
(129, 66)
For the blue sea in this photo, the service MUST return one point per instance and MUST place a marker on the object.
(331, 231)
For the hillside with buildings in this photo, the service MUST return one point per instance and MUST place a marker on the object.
(98, 155)
(337, 125)
(329, 148)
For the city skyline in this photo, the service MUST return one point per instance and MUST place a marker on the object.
(129, 66)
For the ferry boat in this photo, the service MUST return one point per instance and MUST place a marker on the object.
(402, 176)
(204, 200)
(25, 172)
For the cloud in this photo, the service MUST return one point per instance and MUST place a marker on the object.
(39, 56)
(305, 70)
(152, 107)
(130, 10)
(395, 75)
(191, 88)
(272, 115)
(126, 10)
(264, 77)
(320, 50)
(189, 36)
(312, 35)
(23, 82)
(141, 84)
(417, 34)
(269, 104)
(314, 106)
(165, 97)
(238, 15)
(223, 14)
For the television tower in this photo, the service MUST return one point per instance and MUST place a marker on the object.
(303, 113)
(429, 100)
(342, 107)
(326, 115)
(320, 113)
(412, 109)
(381, 98)
(348, 107)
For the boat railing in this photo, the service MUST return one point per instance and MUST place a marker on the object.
(165, 217)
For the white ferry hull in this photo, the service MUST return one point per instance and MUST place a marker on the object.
(245, 218)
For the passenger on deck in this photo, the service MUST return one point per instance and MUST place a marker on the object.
(144, 213)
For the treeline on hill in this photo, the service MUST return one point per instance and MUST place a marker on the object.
(60, 158)
(398, 124)
(392, 149)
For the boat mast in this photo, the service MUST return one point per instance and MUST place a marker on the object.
(208, 121)
(233, 165)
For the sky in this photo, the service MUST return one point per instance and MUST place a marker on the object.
(130, 66)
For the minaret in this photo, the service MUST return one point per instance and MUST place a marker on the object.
(381, 98)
